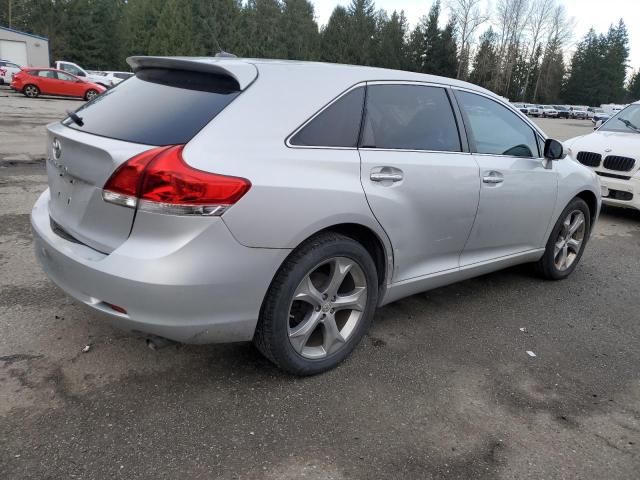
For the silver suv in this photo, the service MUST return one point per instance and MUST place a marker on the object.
(224, 200)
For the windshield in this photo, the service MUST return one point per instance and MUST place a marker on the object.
(627, 120)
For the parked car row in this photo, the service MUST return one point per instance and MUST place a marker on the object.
(575, 112)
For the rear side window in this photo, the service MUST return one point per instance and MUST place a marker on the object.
(157, 107)
(410, 117)
(495, 129)
(338, 125)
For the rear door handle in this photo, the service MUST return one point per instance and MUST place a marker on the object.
(493, 178)
(386, 174)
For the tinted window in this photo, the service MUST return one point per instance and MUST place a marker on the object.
(410, 117)
(338, 125)
(495, 129)
(157, 107)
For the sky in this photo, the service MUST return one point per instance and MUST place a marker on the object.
(598, 14)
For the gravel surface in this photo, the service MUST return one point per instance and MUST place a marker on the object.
(442, 387)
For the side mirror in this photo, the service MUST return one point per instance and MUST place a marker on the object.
(598, 124)
(553, 149)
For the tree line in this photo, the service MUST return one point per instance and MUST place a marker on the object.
(518, 49)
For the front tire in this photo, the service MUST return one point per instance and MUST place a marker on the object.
(319, 305)
(31, 91)
(567, 241)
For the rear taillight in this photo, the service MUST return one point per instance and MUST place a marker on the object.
(160, 181)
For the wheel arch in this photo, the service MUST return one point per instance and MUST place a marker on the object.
(380, 251)
(592, 202)
(371, 242)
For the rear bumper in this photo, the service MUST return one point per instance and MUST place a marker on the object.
(628, 187)
(191, 285)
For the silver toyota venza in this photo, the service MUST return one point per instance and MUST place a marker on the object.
(222, 200)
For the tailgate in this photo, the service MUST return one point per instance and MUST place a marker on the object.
(77, 169)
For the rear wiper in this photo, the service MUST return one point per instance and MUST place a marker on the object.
(629, 125)
(75, 117)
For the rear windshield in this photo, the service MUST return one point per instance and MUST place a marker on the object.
(157, 106)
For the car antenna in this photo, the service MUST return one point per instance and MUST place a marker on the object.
(221, 52)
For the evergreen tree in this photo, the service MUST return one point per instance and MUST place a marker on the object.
(361, 46)
(633, 91)
(430, 47)
(598, 68)
(415, 53)
(446, 51)
(335, 37)
(390, 49)
(217, 26)
(615, 61)
(299, 30)
(140, 20)
(173, 34)
(486, 60)
(263, 21)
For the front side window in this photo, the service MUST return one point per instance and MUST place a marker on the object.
(495, 129)
(338, 125)
(410, 117)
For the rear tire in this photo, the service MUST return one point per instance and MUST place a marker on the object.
(567, 241)
(31, 91)
(319, 305)
(90, 95)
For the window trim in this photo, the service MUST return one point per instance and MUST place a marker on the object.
(457, 114)
(287, 140)
(537, 132)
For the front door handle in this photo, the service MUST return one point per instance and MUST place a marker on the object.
(386, 174)
(493, 178)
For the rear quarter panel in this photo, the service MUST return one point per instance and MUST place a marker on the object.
(295, 191)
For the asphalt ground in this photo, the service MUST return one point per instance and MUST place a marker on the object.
(442, 387)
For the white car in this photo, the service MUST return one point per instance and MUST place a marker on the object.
(578, 112)
(7, 71)
(532, 110)
(547, 111)
(78, 71)
(613, 151)
(114, 78)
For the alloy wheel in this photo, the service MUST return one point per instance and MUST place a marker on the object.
(569, 241)
(91, 94)
(326, 307)
(31, 91)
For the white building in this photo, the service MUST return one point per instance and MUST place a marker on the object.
(25, 49)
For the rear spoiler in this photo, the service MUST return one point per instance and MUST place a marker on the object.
(243, 73)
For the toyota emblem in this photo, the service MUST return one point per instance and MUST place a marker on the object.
(57, 149)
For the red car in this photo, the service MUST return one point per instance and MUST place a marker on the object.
(49, 81)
